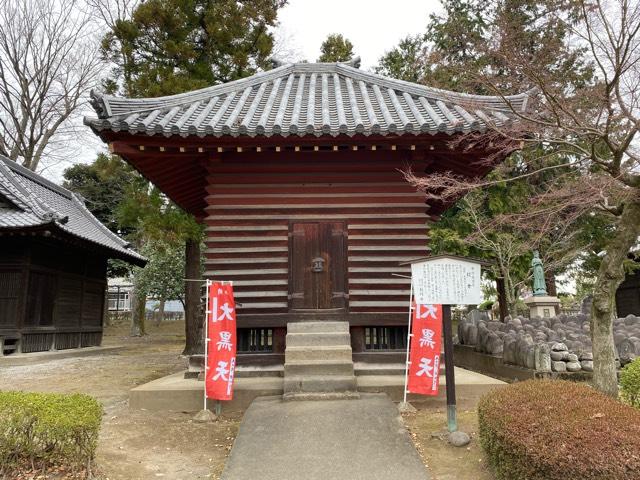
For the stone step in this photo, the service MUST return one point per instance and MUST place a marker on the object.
(318, 327)
(368, 369)
(319, 367)
(320, 383)
(314, 396)
(296, 354)
(324, 315)
(259, 371)
(318, 339)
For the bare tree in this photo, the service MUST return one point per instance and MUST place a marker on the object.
(510, 237)
(48, 64)
(595, 125)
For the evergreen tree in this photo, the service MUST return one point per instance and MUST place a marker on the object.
(103, 185)
(173, 46)
(336, 48)
(405, 61)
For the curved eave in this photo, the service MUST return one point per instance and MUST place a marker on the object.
(101, 125)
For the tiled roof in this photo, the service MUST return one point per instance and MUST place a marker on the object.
(29, 200)
(306, 99)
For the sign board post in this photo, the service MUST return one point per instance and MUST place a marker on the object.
(447, 280)
(447, 331)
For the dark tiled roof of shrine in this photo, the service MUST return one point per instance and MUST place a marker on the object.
(28, 200)
(306, 99)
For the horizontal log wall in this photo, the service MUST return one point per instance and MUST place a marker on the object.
(253, 199)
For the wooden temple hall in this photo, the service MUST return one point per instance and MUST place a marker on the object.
(297, 174)
(53, 265)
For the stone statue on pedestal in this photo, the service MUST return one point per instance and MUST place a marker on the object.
(539, 286)
(540, 304)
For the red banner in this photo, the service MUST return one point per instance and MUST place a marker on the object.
(426, 341)
(221, 342)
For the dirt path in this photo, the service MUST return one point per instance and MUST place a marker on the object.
(135, 445)
(443, 461)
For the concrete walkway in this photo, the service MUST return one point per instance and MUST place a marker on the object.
(321, 440)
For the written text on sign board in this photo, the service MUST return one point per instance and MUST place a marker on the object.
(447, 282)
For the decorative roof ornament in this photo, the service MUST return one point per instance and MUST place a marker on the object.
(95, 99)
(276, 62)
(354, 62)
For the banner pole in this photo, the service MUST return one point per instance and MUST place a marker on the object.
(206, 341)
(406, 364)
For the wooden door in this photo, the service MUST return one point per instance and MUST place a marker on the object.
(317, 261)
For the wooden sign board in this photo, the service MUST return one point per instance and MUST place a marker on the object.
(446, 281)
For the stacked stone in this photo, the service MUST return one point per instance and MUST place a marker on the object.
(562, 360)
(561, 344)
(626, 335)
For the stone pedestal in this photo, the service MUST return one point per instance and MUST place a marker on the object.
(543, 306)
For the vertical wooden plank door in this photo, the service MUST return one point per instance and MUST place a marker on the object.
(317, 261)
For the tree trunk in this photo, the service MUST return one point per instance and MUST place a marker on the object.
(160, 317)
(193, 320)
(603, 310)
(512, 299)
(138, 304)
(502, 299)
(550, 283)
(106, 318)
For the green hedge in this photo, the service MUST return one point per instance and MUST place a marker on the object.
(558, 430)
(47, 429)
(630, 383)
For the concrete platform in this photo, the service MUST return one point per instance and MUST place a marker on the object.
(18, 359)
(320, 440)
(177, 393)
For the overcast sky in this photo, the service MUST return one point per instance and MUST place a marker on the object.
(373, 26)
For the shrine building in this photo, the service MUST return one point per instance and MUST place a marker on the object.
(53, 265)
(297, 174)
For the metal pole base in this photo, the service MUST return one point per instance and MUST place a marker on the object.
(452, 419)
